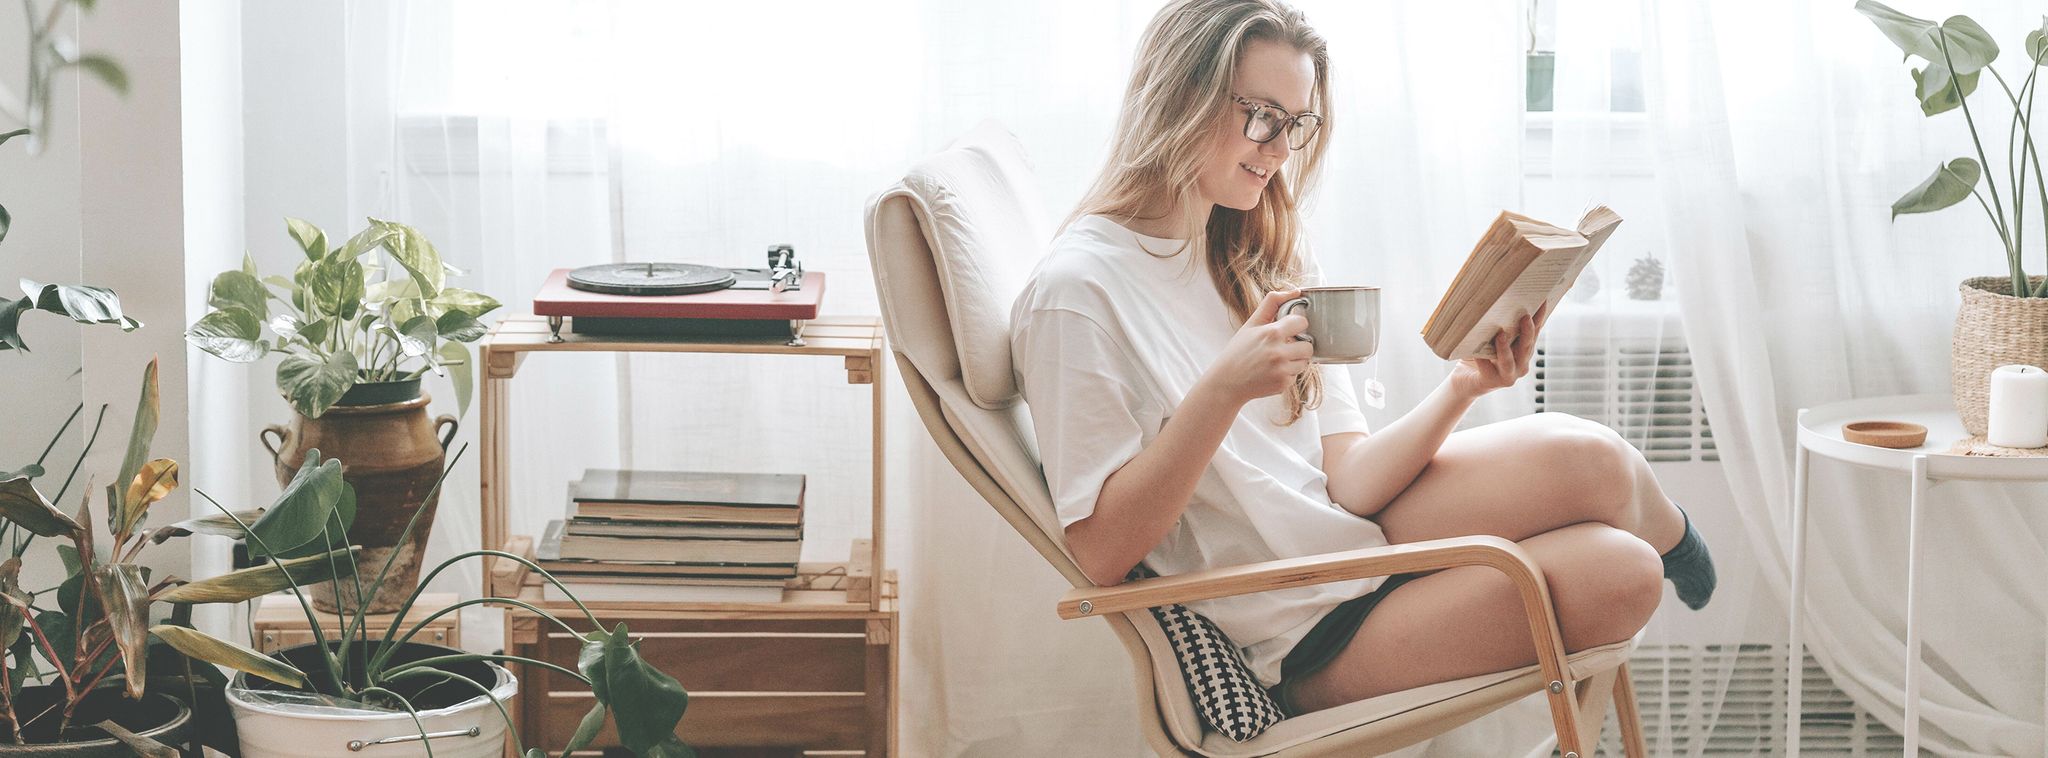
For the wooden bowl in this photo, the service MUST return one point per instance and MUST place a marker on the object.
(1892, 434)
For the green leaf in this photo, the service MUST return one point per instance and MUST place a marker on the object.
(1913, 35)
(4, 137)
(461, 373)
(1934, 90)
(124, 596)
(234, 335)
(366, 240)
(332, 286)
(646, 704)
(459, 326)
(587, 729)
(1970, 48)
(11, 614)
(68, 555)
(312, 385)
(60, 629)
(221, 652)
(293, 524)
(124, 512)
(417, 336)
(257, 581)
(29, 471)
(416, 254)
(309, 237)
(83, 304)
(22, 504)
(238, 289)
(219, 525)
(10, 322)
(2037, 43)
(6, 220)
(1949, 185)
(475, 304)
(106, 70)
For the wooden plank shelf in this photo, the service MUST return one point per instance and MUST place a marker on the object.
(815, 673)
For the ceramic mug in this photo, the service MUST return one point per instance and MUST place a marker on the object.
(1343, 322)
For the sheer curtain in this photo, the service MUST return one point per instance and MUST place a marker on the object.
(538, 135)
(1779, 149)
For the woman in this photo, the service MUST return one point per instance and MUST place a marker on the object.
(1181, 423)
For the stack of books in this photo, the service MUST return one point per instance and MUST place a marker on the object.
(676, 536)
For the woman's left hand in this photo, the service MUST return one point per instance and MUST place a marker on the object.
(1512, 354)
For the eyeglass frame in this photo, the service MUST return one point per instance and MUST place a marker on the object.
(1293, 122)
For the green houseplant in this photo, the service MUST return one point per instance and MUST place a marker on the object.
(356, 326)
(367, 672)
(69, 664)
(2004, 318)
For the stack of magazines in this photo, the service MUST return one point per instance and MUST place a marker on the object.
(676, 536)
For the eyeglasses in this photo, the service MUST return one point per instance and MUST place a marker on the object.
(1263, 122)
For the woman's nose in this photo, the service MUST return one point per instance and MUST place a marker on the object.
(1275, 147)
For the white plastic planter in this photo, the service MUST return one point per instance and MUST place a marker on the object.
(470, 729)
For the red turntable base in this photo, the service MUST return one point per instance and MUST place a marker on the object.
(735, 311)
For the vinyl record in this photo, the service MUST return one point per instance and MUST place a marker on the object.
(650, 278)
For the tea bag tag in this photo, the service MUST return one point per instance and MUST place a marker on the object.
(1375, 392)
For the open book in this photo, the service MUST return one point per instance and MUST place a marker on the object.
(1520, 265)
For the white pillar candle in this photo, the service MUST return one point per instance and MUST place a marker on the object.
(2019, 407)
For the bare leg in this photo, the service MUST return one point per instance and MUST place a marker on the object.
(1467, 621)
(1530, 475)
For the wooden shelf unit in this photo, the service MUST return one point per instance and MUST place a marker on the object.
(815, 672)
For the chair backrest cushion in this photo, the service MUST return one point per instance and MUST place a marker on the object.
(987, 227)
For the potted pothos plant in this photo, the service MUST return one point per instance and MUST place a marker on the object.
(376, 686)
(2004, 318)
(355, 327)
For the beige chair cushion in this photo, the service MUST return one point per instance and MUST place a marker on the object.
(978, 204)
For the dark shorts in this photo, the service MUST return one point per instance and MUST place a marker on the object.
(1329, 636)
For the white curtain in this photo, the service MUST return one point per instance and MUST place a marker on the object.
(1782, 133)
(524, 137)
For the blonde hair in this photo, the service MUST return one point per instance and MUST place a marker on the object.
(1179, 89)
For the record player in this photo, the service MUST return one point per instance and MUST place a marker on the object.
(684, 299)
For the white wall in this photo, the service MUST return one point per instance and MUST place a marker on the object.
(211, 77)
(131, 214)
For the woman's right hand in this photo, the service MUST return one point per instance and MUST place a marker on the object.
(1263, 358)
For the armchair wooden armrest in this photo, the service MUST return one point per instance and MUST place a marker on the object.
(1430, 555)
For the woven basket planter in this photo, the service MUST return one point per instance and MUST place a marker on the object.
(1993, 329)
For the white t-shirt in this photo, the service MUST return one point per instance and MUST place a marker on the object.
(1107, 339)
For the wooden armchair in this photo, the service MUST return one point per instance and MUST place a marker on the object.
(950, 246)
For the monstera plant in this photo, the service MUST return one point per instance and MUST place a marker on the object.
(2002, 317)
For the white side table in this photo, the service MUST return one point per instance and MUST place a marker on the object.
(1820, 433)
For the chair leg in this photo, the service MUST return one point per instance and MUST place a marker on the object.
(1625, 712)
(1594, 694)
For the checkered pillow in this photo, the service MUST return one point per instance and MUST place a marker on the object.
(1227, 695)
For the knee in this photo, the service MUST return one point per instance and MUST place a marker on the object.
(1617, 588)
(1595, 467)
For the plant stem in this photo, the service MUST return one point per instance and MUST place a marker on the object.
(2019, 276)
(424, 742)
(319, 637)
(391, 645)
(60, 433)
(518, 746)
(466, 657)
(7, 698)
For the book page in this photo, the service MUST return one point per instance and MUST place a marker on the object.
(1544, 279)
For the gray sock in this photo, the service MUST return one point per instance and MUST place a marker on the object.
(1690, 568)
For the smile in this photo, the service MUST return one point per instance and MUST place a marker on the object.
(1255, 170)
